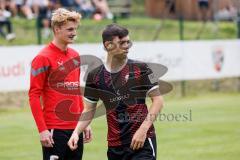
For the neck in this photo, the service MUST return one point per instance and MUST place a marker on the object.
(62, 46)
(114, 63)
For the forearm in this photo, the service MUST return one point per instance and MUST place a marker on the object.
(155, 108)
(81, 126)
(84, 120)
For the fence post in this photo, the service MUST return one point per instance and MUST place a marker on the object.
(238, 36)
(181, 32)
(238, 24)
(39, 35)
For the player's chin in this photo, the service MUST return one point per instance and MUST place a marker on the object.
(71, 39)
(125, 54)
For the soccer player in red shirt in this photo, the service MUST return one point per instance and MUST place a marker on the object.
(44, 97)
(123, 85)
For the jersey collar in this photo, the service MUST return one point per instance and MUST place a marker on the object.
(115, 71)
(54, 47)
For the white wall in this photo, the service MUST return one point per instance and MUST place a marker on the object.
(190, 60)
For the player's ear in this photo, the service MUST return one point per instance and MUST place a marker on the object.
(108, 45)
(56, 29)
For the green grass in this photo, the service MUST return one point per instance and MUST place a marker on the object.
(141, 29)
(213, 133)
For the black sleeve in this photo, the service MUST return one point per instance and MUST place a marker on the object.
(91, 90)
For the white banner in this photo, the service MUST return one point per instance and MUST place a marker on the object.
(189, 60)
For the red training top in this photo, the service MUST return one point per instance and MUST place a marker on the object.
(54, 93)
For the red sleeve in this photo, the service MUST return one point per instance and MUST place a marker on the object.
(39, 73)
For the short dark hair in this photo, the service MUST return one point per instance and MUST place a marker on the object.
(113, 30)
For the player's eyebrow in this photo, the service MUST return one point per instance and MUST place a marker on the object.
(71, 28)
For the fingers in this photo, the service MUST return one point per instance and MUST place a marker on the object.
(46, 143)
(70, 144)
(136, 145)
(90, 136)
(87, 136)
(133, 145)
(46, 139)
(140, 145)
(51, 140)
(73, 143)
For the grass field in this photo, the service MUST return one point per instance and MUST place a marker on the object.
(213, 133)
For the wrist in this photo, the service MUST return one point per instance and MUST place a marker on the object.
(144, 129)
(43, 131)
(76, 132)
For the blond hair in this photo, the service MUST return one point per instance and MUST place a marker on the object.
(61, 16)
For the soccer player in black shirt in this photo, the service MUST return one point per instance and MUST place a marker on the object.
(123, 85)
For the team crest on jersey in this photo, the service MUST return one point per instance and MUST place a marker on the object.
(60, 65)
(118, 92)
(126, 77)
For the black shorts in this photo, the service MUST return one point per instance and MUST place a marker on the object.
(148, 152)
(60, 147)
(203, 4)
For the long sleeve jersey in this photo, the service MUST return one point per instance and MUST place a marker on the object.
(54, 93)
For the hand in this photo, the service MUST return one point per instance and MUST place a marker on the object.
(73, 141)
(87, 135)
(138, 139)
(46, 139)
